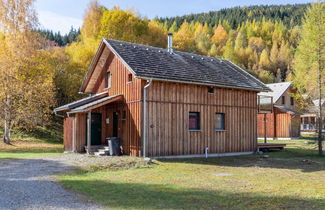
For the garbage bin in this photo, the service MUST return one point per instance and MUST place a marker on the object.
(114, 144)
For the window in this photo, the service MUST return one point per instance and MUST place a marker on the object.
(220, 121)
(194, 121)
(283, 100)
(210, 90)
(108, 79)
(123, 115)
(130, 77)
(292, 102)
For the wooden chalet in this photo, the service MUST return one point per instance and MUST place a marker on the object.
(284, 121)
(163, 103)
(310, 117)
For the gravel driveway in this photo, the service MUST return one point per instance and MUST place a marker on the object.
(30, 184)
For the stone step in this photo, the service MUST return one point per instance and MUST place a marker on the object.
(103, 150)
(101, 153)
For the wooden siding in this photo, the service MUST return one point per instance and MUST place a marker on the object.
(287, 125)
(270, 125)
(169, 105)
(67, 133)
(130, 128)
(279, 125)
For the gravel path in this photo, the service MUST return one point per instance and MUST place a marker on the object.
(30, 184)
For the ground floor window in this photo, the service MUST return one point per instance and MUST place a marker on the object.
(220, 121)
(194, 121)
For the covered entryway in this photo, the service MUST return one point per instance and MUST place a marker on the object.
(96, 129)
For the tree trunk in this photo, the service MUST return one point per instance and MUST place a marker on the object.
(320, 72)
(320, 124)
(6, 136)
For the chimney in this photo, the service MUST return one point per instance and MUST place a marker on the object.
(170, 43)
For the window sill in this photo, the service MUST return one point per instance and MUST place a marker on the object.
(195, 130)
(107, 88)
(220, 130)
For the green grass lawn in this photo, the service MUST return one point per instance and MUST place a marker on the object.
(293, 179)
(41, 142)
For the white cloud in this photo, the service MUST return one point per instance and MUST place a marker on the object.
(53, 21)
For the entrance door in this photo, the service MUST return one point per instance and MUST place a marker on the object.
(115, 124)
(96, 129)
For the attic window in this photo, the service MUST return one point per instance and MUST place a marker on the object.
(292, 101)
(124, 115)
(108, 79)
(283, 100)
(130, 77)
(211, 90)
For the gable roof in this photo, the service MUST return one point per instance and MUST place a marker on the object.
(278, 89)
(316, 102)
(147, 62)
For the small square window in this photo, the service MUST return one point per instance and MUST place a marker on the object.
(194, 121)
(210, 90)
(292, 101)
(220, 121)
(130, 77)
(283, 100)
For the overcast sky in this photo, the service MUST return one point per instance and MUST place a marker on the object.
(60, 15)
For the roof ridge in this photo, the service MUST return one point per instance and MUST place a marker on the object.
(164, 49)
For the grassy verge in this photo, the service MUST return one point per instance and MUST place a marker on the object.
(41, 142)
(281, 180)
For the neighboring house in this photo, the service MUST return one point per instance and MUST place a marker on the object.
(309, 122)
(162, 102)
(284, 121)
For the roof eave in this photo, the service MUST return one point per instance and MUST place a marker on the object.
(199, 83)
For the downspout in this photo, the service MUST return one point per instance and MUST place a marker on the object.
(145, 116)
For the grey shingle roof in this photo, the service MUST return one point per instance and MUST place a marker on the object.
(277, 90)
(157, 63)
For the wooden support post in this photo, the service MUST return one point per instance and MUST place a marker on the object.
(89, 132)
(265, 141)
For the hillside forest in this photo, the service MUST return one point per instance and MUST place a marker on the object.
(260, 39)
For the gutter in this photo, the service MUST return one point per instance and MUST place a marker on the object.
(199, 83)
(58, 115)
(145, 115)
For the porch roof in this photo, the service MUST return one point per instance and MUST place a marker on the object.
(95, 104)
(285, 109)
(80, 102)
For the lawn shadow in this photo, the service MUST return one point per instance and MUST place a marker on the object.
(161, 196)
(291, 158)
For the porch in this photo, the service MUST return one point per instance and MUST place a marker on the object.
(91, 121)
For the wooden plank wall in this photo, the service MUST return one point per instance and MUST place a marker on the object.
(169, 105)
(80, 132)
(287, 125)
(67, 133)
(129, 129)
(270, 126)
(279, 125)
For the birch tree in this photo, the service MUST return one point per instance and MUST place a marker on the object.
(310, 59)
(26, 80)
